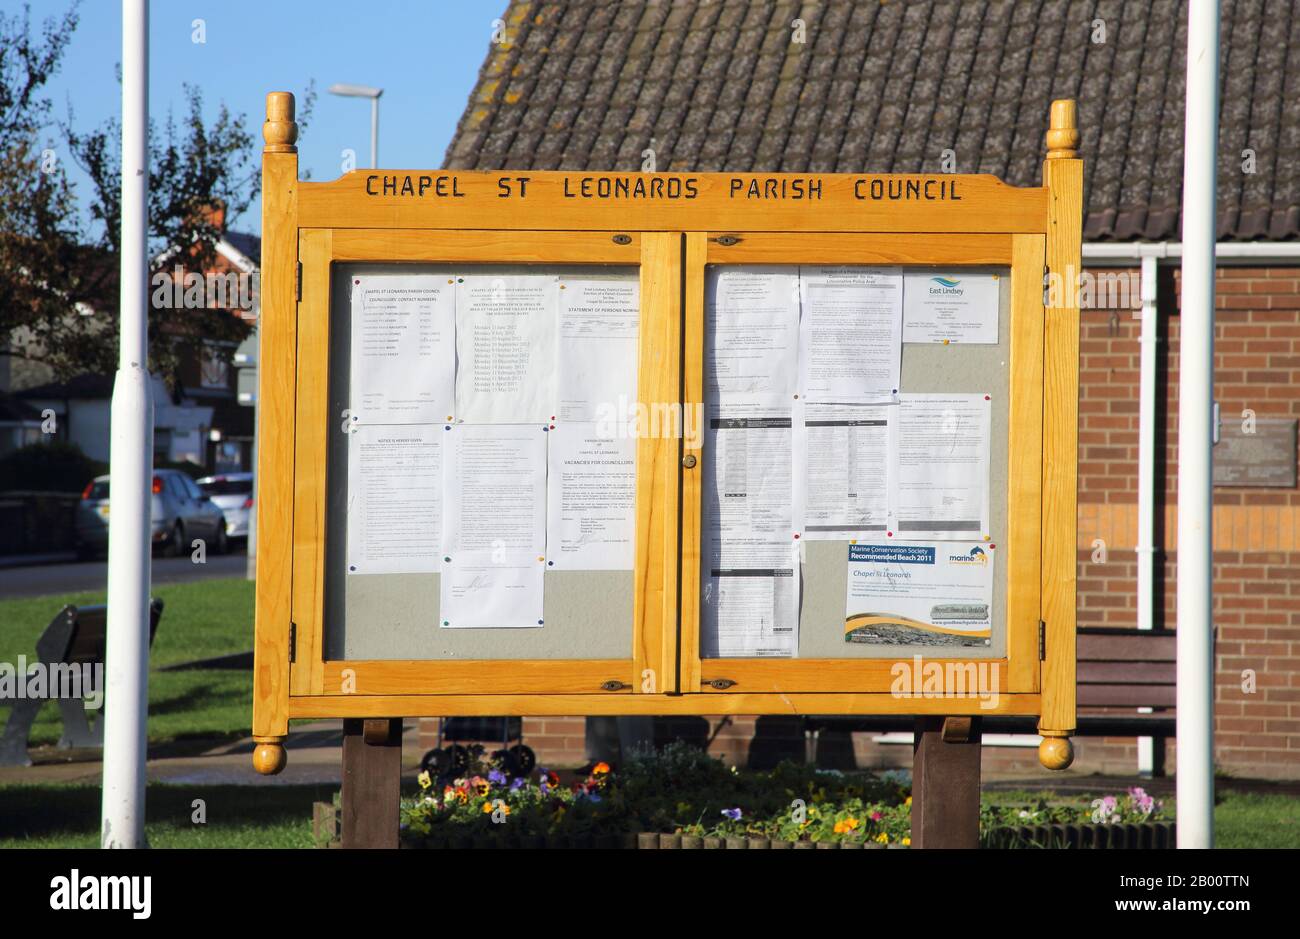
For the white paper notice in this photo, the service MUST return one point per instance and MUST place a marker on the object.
(590, 490)
(485, 590)
(494, 490)
(950, 307)
(395, 499)
(842, 470)
(942, 467)
(596, 374)
(751, 613)
(752, 326)
(403, 356)
(750, 591)
(505, 348)
(850, 333)
(920, 594)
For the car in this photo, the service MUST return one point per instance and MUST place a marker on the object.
(233, 494)
(180, 512)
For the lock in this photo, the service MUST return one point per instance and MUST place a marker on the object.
(688, 461)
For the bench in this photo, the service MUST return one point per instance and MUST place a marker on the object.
(1120, 668)
(75, 637)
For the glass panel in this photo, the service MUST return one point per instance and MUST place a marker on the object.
(855, 461)
(481, 500)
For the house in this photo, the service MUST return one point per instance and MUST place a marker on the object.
(927, 86)
(201, 421)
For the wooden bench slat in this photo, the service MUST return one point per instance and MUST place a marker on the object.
(1127, 695)
(1153, 646)
(1137, 673)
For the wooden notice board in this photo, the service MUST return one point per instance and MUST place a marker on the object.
(645, 638)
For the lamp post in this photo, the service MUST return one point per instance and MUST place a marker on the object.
(363, 91)
(126, 663)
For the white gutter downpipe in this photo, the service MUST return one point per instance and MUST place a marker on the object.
(131, 469)
(1146, 533)
(1195, 771)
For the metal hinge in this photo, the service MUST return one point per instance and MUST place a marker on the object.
(293, 641)
(1042, 641)
(298, 285)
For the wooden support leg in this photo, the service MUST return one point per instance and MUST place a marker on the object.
(372, 768)
(946, 783)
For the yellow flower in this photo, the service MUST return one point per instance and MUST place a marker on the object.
(424, 779)
(907, 842)
(882, 838)
(487, 807)
(600, 769)
(909, 801)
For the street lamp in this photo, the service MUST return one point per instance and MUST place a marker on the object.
(363, 91)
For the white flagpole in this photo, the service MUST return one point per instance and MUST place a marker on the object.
(1195, 435)
(131, 469)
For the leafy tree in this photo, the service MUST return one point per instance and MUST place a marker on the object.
(195, 167)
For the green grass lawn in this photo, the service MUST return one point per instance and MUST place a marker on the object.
(67, 816)
(1241, 819)
(199, 620)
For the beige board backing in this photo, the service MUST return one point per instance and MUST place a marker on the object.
(588, 614)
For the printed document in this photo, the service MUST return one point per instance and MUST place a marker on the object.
(596, 374)
(751, 317)
(850, 333)
(950, 307)
(505, 348)
(395, 499)
(942, 467)
(750, 571)
(403, 357)
(842, 470)
(926, 594)
(591, 490)
(483, 589)
(494, 489)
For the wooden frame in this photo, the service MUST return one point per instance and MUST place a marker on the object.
(1023, 255)
(672, 226)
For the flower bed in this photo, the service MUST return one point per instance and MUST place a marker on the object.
(682, 798)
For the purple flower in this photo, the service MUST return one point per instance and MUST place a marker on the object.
(733, 814)
(497, 778)
(518, 784)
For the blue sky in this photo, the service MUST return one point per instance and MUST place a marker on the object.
(425, 55)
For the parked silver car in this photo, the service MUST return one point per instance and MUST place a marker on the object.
(180, 513)
(233, 494)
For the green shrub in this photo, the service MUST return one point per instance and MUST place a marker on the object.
(48, 467)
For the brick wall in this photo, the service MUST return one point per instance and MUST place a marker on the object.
(1257, 545)
(1257, 531)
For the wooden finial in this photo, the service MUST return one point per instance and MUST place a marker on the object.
(280, 131)
(1063, 130)
(1056, 752)
(269, 756)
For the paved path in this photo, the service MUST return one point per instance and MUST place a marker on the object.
(61, 579)
(315, 758)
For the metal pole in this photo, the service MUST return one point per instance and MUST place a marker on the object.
(131, 469)
(374, 132)
(1146, 547)
(1195, 424)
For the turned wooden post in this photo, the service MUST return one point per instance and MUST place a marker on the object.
(1063, 177)
(275, 414)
